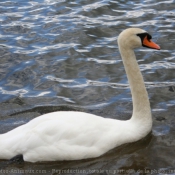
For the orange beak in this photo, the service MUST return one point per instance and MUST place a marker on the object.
(150, 44)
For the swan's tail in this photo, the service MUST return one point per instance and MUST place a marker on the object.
(4, 149)
(8, 146)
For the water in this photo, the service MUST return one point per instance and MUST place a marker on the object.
(63, 55)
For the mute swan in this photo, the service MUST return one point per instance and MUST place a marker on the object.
(78, 135)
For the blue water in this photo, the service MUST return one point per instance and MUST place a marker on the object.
(63, 55)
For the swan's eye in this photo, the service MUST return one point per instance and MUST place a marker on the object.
(143, 35)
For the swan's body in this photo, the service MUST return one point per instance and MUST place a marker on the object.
(78, 135)
(69, 136)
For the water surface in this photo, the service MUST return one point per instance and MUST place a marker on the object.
(63, 55)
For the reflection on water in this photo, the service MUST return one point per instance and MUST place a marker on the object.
(63, 55)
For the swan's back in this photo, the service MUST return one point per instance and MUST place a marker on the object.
(64, 136)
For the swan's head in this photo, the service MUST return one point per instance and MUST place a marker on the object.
(134, 37)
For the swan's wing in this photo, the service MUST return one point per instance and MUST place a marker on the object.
(61, 136)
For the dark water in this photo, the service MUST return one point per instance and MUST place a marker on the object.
(63, 55)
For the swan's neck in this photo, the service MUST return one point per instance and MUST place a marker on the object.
(141, 105)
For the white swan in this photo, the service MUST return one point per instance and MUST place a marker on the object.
(78, 135)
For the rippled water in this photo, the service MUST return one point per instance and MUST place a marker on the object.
(63, 55)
